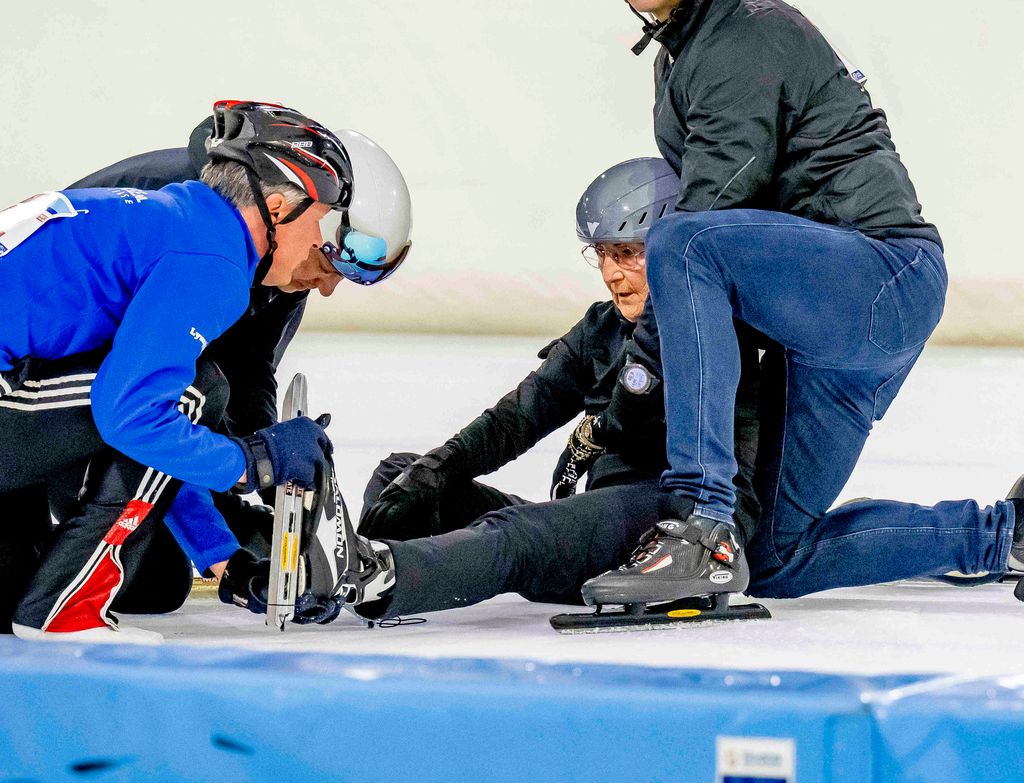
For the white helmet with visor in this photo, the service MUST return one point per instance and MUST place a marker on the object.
(367, 241)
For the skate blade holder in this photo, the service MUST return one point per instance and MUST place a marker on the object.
(638, 616)
(287, 567)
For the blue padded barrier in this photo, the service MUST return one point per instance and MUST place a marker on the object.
(951, 729)
(122, 713)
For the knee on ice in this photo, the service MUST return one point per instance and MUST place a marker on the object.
(766, 586)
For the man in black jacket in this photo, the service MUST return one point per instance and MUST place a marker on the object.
(450, 541)
(795, 216)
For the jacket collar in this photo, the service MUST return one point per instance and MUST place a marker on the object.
(197, 145)
(683, 25)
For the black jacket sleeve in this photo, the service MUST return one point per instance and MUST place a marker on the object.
(248, 354)
(148, 171)
(545, 400)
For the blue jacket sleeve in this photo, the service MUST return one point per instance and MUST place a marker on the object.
(185, 301)
(199, 528)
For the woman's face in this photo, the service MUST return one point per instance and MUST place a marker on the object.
(660, 8)
(624, 270)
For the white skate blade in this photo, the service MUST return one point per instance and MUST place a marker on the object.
(104, 635)
(290, 503)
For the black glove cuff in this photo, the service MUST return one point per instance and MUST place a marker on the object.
(259, 470)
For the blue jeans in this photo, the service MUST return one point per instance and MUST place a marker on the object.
(850, 315)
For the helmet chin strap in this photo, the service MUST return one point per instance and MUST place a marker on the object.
(261, 204)
(651, 29)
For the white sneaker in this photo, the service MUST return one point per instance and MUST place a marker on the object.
(104, 635)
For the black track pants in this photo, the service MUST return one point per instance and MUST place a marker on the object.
(46, 435)
(543, 551)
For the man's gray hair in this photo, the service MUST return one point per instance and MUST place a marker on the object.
(231, 181)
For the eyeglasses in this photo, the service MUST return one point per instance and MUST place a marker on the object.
(629, 258)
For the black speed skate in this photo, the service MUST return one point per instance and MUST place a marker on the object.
(369, 578)
(318, 564)
(367, 573)
(342, 568)
(322, 562)
(682, 572)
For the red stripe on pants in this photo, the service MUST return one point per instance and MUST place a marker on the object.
(85, 608)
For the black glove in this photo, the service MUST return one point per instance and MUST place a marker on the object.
(245, 581)
(251, 523)
(579, 456)
(292, 450)
(409, 506)
(311, 609)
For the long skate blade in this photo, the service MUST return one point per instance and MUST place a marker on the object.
(287, 540)
(689, 611)
(284, 585)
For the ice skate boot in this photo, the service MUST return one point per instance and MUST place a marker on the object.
(1015, 562)
(675, 560)
(682, 572)
(367, 573)
(367, 586)
(338, 567)
(322, 562)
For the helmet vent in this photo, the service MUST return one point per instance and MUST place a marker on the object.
(663, 208)
(623, 226)
(643, 218)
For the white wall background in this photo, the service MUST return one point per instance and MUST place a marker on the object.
(500, 113)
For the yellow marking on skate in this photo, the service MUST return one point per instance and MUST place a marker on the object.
(201, 586)
(682, 614)
(289, 553)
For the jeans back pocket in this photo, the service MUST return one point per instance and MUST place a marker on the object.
(909, 306)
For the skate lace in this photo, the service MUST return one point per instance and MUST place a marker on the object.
(394, 622)
(649, 542)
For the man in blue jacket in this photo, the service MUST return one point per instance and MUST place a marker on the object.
(248, 355)
(110, 297)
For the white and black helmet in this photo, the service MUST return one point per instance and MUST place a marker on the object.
(623, 203)
(379, 214)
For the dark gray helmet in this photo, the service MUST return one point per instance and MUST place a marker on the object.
(621, 204)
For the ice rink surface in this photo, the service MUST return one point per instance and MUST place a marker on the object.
(953, 432)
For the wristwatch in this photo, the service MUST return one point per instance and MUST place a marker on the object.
(636, 378)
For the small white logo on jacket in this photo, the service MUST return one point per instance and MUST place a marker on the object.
(199, 337)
